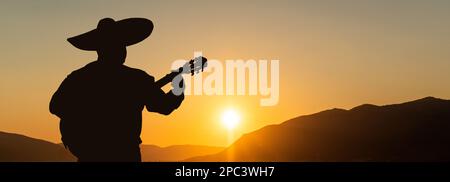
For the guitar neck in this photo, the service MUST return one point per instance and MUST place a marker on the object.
(194, 65)
(166, 79)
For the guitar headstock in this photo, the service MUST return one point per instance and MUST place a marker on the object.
(195, 65)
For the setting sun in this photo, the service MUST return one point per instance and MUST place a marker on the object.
(230, 119)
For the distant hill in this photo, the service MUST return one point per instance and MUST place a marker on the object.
(19, 148)
(413, 131)
(153, 153)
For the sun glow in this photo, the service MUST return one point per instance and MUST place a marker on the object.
(230, 119)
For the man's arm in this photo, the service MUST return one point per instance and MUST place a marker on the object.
(160, 102)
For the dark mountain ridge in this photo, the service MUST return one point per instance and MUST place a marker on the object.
(20, 148)
(409, 132)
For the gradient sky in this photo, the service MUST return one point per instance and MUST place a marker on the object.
(332, 54)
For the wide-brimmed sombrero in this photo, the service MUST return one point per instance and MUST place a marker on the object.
(109, 32)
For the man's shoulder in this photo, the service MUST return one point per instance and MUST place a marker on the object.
(138, 72)
(83, 70)
(87, 68)
(94, 68)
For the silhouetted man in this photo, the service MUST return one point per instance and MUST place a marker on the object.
(100, 105)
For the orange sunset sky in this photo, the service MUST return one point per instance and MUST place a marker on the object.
(332, 54)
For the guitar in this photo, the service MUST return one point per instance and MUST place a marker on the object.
(193, 66)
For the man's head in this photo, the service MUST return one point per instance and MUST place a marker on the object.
(113, 51)
(114, 54)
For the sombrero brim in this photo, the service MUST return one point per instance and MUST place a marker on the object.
(128, 31)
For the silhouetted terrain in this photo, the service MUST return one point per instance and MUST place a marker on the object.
(19, 148)
(412, 131)
(152, 153)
